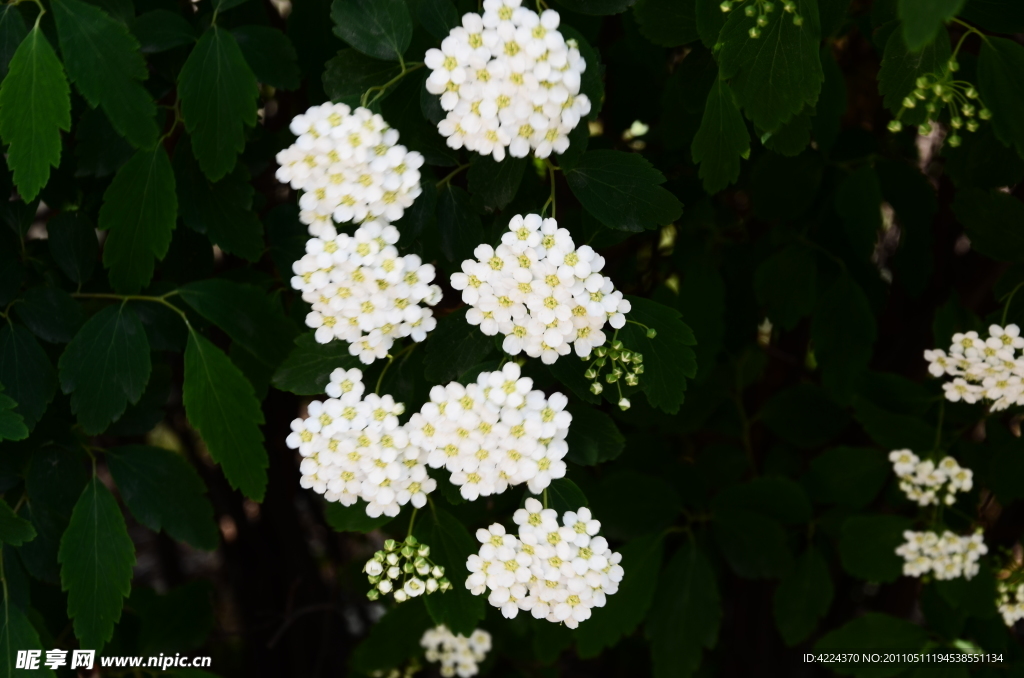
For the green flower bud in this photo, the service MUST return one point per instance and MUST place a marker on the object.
(600, 351)
(626, 355)
(749, 10)
(754, 32)
(938, 88)
(411, 540)
(762, 20)
(392, 559)
(596, 388)
(956, 122)
(953, 66)
(921, 94)
(632, 379)
(947, 97)
(617, 345)
(639, 369)
(925, 129)
(769, 7)
(611, 377)
(789, 6)
(373, 594)
(972, 125)
(954, 141)
(985, 114)
(379, 556)
(613, 354)
(423, 551)
(651, 333)
(420, 562)
(971, 93)
(922, 82)
(624, 404)
(968, 110)
(373, 579)
(930, 108)
(798, 20)
(725, 6)
(408, 552)
(638, 357)
(600, 362)
(908, 102)
(408, 567)
(895, 125)
(390, 544)
(590, 374)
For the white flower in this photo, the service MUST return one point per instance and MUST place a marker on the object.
(982, 368)
(925, 482)
(946, 556)
(457, 654)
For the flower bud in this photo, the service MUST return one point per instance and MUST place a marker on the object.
(953, 65)
(617, 345)
(954, 141)
(924, 129)
(956, 122)
(408, 567)
(632, 379)
(908, 102)
(798, 20)
(922, 82)
(596, 388)
(968, 110)
(971, 93)
(762, 20)
(373, 568)
(379, 556)
(384, 587)
(393, 559)
(626, 355)
(639, 369)
(651, 333)
(423, 570)
(613, 354)
(423, 551)
(624, 404)
(600, 362)
(611, 377)
(600, 352)
(373, 594)
(725, 6)
(590, 374)
(769, 7)
(431, 585)
(437, 571)
(411, 540)
(985, 114)
(972, 125)
(408, 552)
(638, 357)
(749, 10)
(895, 125)
(390, 544)
(754, 32)
(373, 580)
(789, 6)
(401, 596)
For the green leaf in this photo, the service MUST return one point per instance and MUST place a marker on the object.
(982, 161)
(160, 30)
(592, 81)
(103, 60)
(17, 634)
(220, 404)
(99, 148)
(73, 245)
(1001, 83)
(450, 546)
(685, 98)
(721, 140)
(859, 205)
(381, 29)
(270, 55)
(668, 359)
(218, 99)
(245, 313)
(785, 285)
(868, 634)
(710, 21)
(164, 492)
(893, 431)
(668, 23)
(221, 210)
(923, 19)
(12, 424)
(35, 106)
(55, 479)
(458, 222)
(686, 613)
(992, 220)
(803, 597)
(395, 638)
(901, 68)
(597, 7)
(454, 347)
(622, 190)
(622, 614)
(12, 32)
(774, 497)
(593, 437)
(785, 187)
(96, 557)
(139, 211)
(50, 312)
(495, 183)
(775, 75)
(565, 495)
(307, 369)
(792, 137)
(803, 415)
(181, 619)
(353, 518)
(14, 530)
(848, 476)
(843, 330)
(998, 16)
(350, 73)
(105, 366)
(753, 545)
(867, 546)
(26, 372)
(437, 16)
(140, 418)
(832, 103)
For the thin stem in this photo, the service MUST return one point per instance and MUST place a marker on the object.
(412, 521)
(551, 198)
(545, 497)
(381, 89)
(970, 29)
(136, 297)
(1009, 298)
(391, 359)
(454, 172)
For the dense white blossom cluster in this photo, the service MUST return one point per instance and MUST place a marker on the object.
(556, 572)
(493, 433)
(508, 79)
(925, 482)
(405, 570)
(947, 556)
(988, 368)
(363, 292)
(349, 166)
(540, 291)
(457, 654)
(1011, 602)
(354, 448)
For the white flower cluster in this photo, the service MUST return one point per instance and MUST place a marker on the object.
(493, 433)
(1011, 602)
(458, 655)
(947, 556)
(363, 292)
(557, 572)
(923, 481)
(405, 569)
(541, 291)
(354, 448)
(508, 79)
(986, 368)
(349, 166)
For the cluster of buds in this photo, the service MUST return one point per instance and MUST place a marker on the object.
(407, 671)
(623, 365)
(761, 9)
(405, 569)
(938, 91)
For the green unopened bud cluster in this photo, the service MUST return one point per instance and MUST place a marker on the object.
(761, 9)
(623, 366)
(936, 92)
(404, 569)
(409, 671)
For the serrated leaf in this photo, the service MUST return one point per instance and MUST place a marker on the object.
(710, 21)
(437, 16)
(395, 638)
(686, 613)
(641, 560)
(450, 546)
(668, 359)
(776, 497)
(622, 190)
(245, 313)
(843, 330)
(753, 545)
(96, 557)
(54, 481)
(18, 634)
(103, 60)
(160, 30)
(454, 347)
(12, 32)
(848, 476)
(12, 424)
(668, 23)
(992, 220)
(307, 369)
(218, 94)
(164, 492)
(803, 415)
(140, 418)
(565, 495)
(721, 140)
(350, 73)
(867, 546)
(50, 313)
(792, 137)
(14, 530)
(775, 75)
(495, 183)
(1001, 83)
(891, 430)
(381, 29)
(221, 210)
(35, 106)
(353, 518)
(220, 404)
(73, 245)
(785, 283)
(832, 103)
(923, 19)
(597, 7)
(26, 372)
(867, 634)
(593, 437)
(270, 54)
(901, 68)
(105, 367)
(803, 597)
(139, 211)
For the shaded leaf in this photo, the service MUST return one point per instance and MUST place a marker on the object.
(668, 23)
(1001, 83)
(381, 29)
(721, 140)
(923, 19)
(803, 597)
(593, 437)
(307, 369)
(622, 190)
(352, 518)
(454, 347)
(350, 73)
(867, 634)
(26, 372)
(992, 220)
(270, 55)
(785, 285)
(848, 476)
(160, 30)
(496, 183)
(843, 330)
(50, 313)
(73, 245)
(901, 68)
(668, 359)
(14, 530)
(450, 545)
(867, 546)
